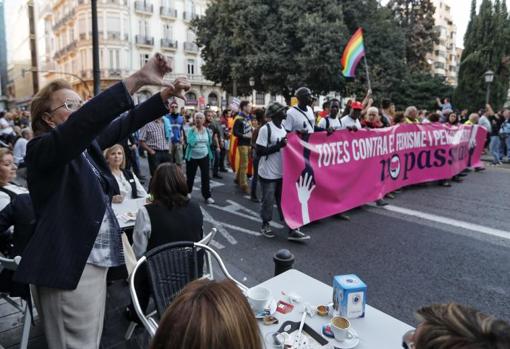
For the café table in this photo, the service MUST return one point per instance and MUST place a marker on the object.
(377, 330)
(128, 207)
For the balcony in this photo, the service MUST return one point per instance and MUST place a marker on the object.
(116, 2)
(115, 73)
(168, 44)
(113, 36)
(65, 18)
(142, 40)
(83, 36)
(167, 12)
(189, 16)
(190, 47)
(144, 8)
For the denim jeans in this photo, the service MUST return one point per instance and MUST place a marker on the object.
(271, 192)
(494, 148)
(255, 174)
(505, 143)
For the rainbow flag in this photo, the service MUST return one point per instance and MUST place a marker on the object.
(353, 53)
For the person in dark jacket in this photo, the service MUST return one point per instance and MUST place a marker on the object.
(77, 236)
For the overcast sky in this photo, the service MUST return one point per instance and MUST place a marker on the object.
(460, 14)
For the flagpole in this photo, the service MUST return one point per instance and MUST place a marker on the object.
(368, 75)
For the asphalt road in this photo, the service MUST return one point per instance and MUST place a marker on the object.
(431, 245)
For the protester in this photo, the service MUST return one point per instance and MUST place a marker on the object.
(496, 121)
(330, 122)
(457, 326)
(217, 141)
(300, 118)
(351, 122)
(372, 119)
(156, 141)
(176, 122)
(20, 147)
(473, 119)
(399, 118)
(242, 129)
(453, 119)
(6, 130)
(271, 139)
(67, 260)
(129, 185)
(8, 190)
(411, 115)
(199, 154)
(505, 133)
(225, 121)
(387, 112)
(208, 315)
(464, 116)
(261, 121)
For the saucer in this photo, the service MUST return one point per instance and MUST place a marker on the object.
(346, 344)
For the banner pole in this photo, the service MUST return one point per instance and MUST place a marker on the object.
(368, 75)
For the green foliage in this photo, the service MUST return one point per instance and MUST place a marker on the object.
(420, 90)
(416, 19)
(486, 47)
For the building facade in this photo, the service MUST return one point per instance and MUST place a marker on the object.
(130, 32)
(444, 60)
(3, 60)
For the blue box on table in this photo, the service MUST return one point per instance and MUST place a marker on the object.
(349, 296)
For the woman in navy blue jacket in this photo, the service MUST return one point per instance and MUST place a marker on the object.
(77, 236)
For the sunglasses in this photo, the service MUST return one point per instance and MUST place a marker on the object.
(71, 105)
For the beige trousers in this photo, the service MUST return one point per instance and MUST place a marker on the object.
(73, 319)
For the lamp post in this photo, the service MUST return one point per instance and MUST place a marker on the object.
(489, 78)
(252, 84)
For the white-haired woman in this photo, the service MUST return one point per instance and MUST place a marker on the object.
(372, 119)
(199, 154)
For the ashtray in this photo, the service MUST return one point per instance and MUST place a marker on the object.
(270, 320)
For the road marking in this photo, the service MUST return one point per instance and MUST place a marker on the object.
(243, 230)
(235, 207)
(449, 221)
(219, 226)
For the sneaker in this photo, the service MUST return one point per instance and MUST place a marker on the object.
(390, 196)
(210, 201)
(381, 202)
(266, 231)
(189, 196)
(297, 235)
(445, 184)
(343, 216)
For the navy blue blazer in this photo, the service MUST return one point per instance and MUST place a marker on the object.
(67, 197)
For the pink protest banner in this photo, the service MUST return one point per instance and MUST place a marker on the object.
(326, 175)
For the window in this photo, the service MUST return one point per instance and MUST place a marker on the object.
(113, 24)
(82, 26)
(439, 65)
(260, 98)
(143, 28)
(71, 34)
(191, 66)
(167, 31)
(144, 58)
(190, 36)
(172, 62)
(83, 59)
(101, 57)
(212, 100)
(114, 58)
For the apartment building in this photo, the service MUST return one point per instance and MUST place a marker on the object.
(444, 59)
(130, 32)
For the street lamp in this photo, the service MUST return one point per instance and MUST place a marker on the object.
(489, 78)
(252, 84)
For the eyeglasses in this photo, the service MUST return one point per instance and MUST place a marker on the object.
(71, 105)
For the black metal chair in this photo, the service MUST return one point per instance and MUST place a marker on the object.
(170, 267)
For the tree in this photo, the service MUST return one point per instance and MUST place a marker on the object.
(419, 89)
(416, 19)
(487, 46)
(281, 43)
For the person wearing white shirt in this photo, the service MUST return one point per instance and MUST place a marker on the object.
(331, 122)
(129, 185)
(20, 148)
(301, 118)
(351, 121)
(271, 138)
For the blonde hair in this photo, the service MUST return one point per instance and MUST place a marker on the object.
(454, 326)
(208, 315)
(41, 104)
(113, 148)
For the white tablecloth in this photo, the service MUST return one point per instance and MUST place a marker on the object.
(128, 207)
(376, 330)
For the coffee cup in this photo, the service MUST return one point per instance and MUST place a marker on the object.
(341, 328)
(258, 297)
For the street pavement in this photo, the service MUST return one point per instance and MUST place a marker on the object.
(430, 245)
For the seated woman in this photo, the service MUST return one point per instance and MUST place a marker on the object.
(129, 185)
(8, 190)
(208, 315)
(171, 217)
(457, 326)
